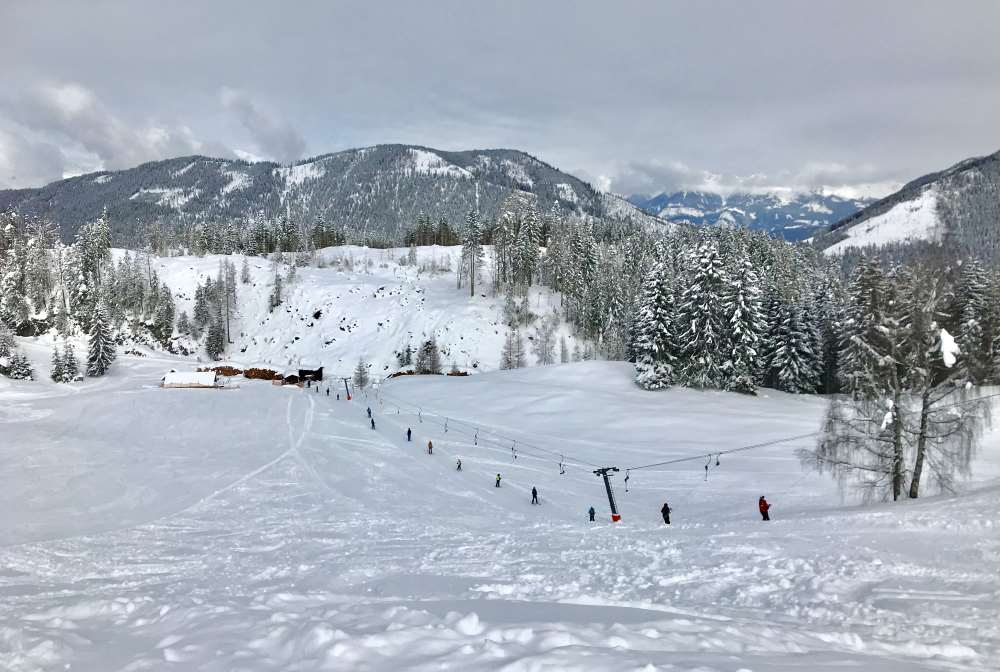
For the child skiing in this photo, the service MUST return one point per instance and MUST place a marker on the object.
(498, 481)
(764, 508)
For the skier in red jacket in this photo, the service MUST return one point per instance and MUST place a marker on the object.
(764, 507)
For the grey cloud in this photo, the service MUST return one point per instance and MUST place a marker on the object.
(274, 139)
(636, 94)
(70, 119)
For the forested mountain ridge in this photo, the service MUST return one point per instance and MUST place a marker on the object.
(379, 190)
(793, 217)
(959, 206)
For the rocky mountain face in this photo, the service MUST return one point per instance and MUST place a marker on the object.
(380, 190)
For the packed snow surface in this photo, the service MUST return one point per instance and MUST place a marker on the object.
(910, 220)
(271, 528)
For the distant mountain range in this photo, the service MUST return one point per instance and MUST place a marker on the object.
(792, 217)
(380, 189)
(959, 206)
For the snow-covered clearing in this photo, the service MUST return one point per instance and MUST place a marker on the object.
(269, 528)
(911, 220)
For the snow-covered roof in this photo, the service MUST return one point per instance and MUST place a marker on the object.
(202, 378)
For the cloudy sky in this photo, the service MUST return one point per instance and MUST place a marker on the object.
(634, 96)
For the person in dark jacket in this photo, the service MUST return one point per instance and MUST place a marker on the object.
(458, 466)
(430, 448)
(764, 507)
(369, 412)
(592, 514)
(373, 423)
(498, 481)
(666, 513)
(534, 495)
(328, 391)
(409, 433)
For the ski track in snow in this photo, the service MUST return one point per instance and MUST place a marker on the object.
(352, 549)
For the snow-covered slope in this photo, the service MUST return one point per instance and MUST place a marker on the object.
(960, 205)
(363, 303)
(910, 220)
(268, 528)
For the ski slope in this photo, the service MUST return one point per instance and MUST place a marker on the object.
(268, 528)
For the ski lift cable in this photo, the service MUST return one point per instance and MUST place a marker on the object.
(719, 453)
(499, 436)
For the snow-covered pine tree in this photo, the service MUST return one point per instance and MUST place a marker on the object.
(428, 358)
(543, 342)
(7, 342)
(746, 325)
(162, 327)
(183, 323)
(512, 353)
(702, 312)
(71, 367)
(975, 337)
(795, 363)
(245, 272)
(655, 331)
(563, 351)
(215, 342)
(57, 371)
(472, 249)
(361, 379)
(20, 367)
(101, 351)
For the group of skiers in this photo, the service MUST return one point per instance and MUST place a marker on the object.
(762, 504)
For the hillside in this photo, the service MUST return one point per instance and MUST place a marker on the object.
(790, 216)
(380, 189)
(361, 303)
(267, 528)
(959, 206)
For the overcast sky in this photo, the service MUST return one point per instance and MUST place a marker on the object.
(633, 96)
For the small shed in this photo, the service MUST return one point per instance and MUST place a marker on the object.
(192, 379)
(310, 372)
(291, 378)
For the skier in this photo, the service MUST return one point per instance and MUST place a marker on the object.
(430, 448)
(666, 513)
(409, 433)
(592, 514)
(534, 495)
(338, 396)
(369, 411)
(498, 481)
(764, 507)
(328, 391)
(458, 467)
(373, 424)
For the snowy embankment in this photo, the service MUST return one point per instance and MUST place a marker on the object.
(363, 303)
(269, 528)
